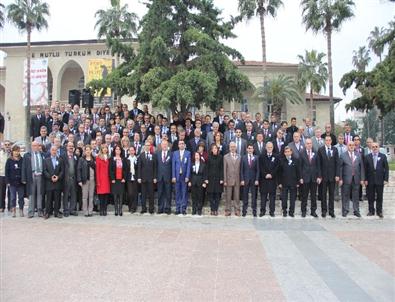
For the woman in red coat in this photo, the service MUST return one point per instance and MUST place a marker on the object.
(103, 178)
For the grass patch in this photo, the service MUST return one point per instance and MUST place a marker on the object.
(392, 165)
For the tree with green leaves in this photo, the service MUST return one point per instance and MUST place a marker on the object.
(1, 15)
(327, 16)
(376, 87)
(262, 8)
(361, 58)
(278, 91)
(117, 25)
(181, 62)
(370, 125)
(28, 15)
(312, 74)
(375, 35)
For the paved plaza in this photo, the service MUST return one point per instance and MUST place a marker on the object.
(171, 258)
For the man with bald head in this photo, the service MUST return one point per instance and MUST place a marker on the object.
(32, 177)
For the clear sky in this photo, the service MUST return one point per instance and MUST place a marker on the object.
(286, 36)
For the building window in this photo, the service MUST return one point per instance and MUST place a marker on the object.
(244, 105)
(269, 109)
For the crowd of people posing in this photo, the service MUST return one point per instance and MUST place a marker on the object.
(88, 160)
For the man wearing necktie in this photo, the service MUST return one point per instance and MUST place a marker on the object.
(53, 171)
(352, 175)
(249, 177)
(32, 177)
(377, 174)
(268, 169)
(181, 169)
(232, 164)
(164, 171)
(328, 161)
(147, 177)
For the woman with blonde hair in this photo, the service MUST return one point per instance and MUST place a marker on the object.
(86, 179)
(125, 144)
(103, 178)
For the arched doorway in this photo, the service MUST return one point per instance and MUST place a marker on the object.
(71, 77)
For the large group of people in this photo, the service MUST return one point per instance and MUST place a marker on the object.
(85, 161)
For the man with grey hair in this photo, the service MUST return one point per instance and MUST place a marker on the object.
(32, 177)
(211, 135)
(232, 163)
(318, 141)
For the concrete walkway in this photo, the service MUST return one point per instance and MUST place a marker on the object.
(170, 258)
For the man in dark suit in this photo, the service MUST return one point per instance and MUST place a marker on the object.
(259, 146)
(53, 175)
(309, 175)
(352, 175)
(146, 176)
(249, 179)
(328, 175)
(70, 162)
(82, 136)
(220, 118)
(37, 121)
(135, 111)
(164, 158)
(289, 179)
(32, 177)
(278, 143)
(376, 174)
(193, 143)
(268, 169)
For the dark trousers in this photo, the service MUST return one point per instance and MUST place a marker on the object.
(20, 190)
(118, 198)
(52, 202)
(268, 190)
(249, 186)
(375, 193)
(132, 191)
(164, 196)
(197, 194)
(311, 188)
(3, 190)
(147, 191)
(328, 187)
(181, 195)
(103, 199)
(292, 197)
(69, 196)
(214, 199)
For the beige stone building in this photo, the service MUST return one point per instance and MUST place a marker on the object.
(68, 69)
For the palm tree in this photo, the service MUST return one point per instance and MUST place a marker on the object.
(1, 15)
(263, 8)
(361, 58)
(28, 15)
(312, 73)
(375, 35)
(116, 24)
(327, 16)
(278, 91)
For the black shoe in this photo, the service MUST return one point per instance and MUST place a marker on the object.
(332, 215)
(314, 214)
(291, 215)
(151, 212)
(59, 216)
(74, 213)
(272, 215)
(323, 215)
(86, 215)
(370, 214)
(184, 212)
(143, 211)
(66, 214)
(357, 214)
(177, 213)
(380, 215)
(254, 214)
(262, 214)
(285, 214)
(244, 214)
(160, 212)
(303, 214)
(344, 215)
